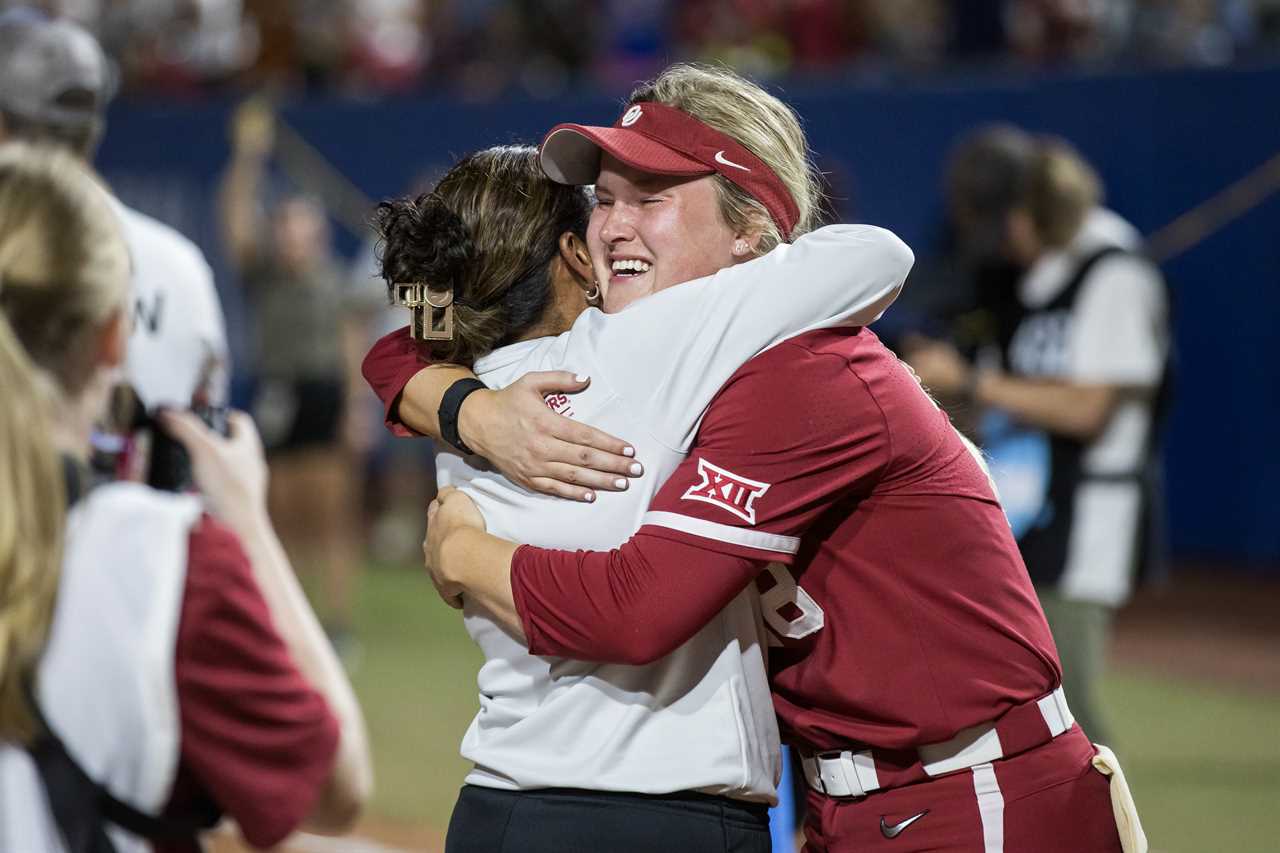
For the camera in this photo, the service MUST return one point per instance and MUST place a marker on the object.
(133, 446)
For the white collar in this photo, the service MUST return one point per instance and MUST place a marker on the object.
(505, 356)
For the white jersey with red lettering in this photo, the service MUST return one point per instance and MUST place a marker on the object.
(699, 719)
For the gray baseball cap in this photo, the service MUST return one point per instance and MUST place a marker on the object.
(52, 71)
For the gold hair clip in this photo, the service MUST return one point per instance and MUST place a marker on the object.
(431, 310)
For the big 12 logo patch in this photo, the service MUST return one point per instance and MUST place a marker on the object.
(726, 490)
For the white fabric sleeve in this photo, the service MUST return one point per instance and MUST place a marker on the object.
(668, 355)
(1120, 325)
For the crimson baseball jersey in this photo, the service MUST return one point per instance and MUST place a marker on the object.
(900, 608)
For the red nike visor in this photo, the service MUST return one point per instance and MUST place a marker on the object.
(656, 138)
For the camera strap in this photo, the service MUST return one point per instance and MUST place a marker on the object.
(82, 807)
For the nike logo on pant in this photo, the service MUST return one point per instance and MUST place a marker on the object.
(894, 831)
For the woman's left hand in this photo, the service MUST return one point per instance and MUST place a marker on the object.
(449, 513)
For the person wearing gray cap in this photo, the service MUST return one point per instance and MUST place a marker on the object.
(54, 80)
(55, 84)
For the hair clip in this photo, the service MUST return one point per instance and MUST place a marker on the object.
(431, 310)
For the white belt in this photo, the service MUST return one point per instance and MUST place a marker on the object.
(853, 774)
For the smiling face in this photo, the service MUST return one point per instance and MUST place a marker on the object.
(649, 232)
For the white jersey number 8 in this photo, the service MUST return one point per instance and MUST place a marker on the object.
(789, 610)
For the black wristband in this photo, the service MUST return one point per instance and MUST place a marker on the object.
(450, 405)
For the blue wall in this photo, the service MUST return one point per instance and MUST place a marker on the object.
(1162, 141)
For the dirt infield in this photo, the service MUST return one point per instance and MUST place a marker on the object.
(1205, 625)
(372, 835)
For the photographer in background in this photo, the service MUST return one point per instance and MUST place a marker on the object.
(55, 83)
(1067, 397)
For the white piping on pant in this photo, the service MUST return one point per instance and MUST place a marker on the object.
(990, 808)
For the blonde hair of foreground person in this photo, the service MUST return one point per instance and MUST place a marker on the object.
(64, 279)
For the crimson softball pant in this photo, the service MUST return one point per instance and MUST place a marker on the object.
(1047, 800)
(563, 820)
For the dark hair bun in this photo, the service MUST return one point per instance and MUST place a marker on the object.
(423, 241)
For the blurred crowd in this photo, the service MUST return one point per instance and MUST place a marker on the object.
(481, 48)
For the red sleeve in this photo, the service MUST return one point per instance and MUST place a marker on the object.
(626, 605)
(389, 365)
(256, 737)
(757, 477)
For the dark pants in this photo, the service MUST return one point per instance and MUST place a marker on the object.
(561, 820)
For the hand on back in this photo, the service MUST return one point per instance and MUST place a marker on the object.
(543, 451)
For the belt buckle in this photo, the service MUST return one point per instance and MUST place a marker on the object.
(817, 759)
(846, 761)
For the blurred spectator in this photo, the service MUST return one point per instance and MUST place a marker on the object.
(387, 44)
(747, 35)
(913, 32)
(1070, 395)
(1056, 31)
(1185, 32)
(305, 366)
(483, 48)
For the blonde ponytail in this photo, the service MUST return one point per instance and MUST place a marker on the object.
(31, 521)
(64, 269)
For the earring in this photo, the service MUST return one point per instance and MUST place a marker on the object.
(593, 295)
(739, 247)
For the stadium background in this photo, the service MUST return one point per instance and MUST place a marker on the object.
(1171, 123)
